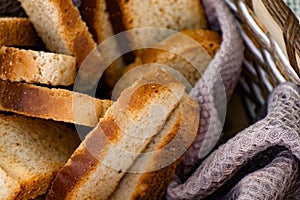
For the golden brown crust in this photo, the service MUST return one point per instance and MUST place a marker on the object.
(140, 96)
(12, 64)
(208, 39)
(41, 102)
(68, 177)
(156, 81)
(111, 129)
(79, 40)
(18, 32)
(36, 66)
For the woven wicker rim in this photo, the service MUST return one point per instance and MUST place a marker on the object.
(259, 16)
(271, 33)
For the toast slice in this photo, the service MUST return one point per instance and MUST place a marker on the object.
(96, 16)
(18, 31)
(56, 104)
(59, 25)
(149, 176)
(36, 67)
(32, 152)
(175, 15)
(189, 52)
(97, 166)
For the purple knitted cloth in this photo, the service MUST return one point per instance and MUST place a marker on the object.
(278, 180)
(217, 84)
(242, 168)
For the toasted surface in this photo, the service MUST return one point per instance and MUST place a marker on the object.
(96, 167)
(17, 31)
(189, 52)
(96, 16)
(208, 39)
(174, 15)
(33, 151)
(150, 174)
(60, 26)
(36, 66)
(57, 104)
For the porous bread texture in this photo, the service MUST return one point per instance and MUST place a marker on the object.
(17, 31)
(175, 15)
(36, 66)
(96, 16)
(32, 152)
(208, 39)
(189, 52)
(56, 104)
(9, 187)
(59, 25)
(96, 167)
(150, 174)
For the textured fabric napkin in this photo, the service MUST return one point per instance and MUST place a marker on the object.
(262, 161)
(217, 83)
(243, 167)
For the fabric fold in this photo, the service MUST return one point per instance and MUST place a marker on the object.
(217, 84)
(280, 128)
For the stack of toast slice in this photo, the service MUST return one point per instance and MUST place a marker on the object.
(137, 140)
(36, 95)
(103, 159)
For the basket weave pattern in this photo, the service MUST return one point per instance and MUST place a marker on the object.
(271, 33)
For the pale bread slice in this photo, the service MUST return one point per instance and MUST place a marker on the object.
(96, 167)
(18, 31)
(175, 15)
(189, 52)
(148, 178)
(59, 25)
(56, 104)
(32, 152)
(96, 16)
(36, 67)
(9, 187)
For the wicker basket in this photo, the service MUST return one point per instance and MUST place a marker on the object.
(271, 33)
